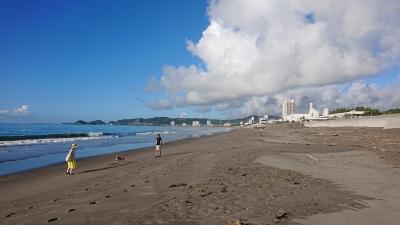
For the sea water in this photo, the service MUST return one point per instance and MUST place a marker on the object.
(29, 146)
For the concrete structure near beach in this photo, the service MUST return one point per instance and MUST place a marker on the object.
(351, 114)
(384, 121)
(288, 113)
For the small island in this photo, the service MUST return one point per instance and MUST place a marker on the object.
(94, 122)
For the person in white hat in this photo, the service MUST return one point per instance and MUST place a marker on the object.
(71, 162)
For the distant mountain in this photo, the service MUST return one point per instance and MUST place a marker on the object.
(160, 121)
(163, 121)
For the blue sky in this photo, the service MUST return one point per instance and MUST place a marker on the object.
(73, 60)
(63, 60)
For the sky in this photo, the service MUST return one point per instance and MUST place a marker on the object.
(61, 61)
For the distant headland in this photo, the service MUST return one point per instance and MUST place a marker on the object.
(163, 121)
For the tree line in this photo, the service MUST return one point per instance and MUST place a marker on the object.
(368, 111)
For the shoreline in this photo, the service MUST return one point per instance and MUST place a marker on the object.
(85, 157)
(254, 176)
(107, 155)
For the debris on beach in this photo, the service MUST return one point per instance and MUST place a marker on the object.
(11, 214)
(52, 219)
(178, 185)
(312, 157)
(207, 194)
(242, 222)
(281, 214)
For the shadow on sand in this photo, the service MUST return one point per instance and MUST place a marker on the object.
(107, 167)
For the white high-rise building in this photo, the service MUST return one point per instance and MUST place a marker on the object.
(287, 108)
(209, 123)
(172, 123)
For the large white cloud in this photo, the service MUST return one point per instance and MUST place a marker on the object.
(263, 47)
(358, 93)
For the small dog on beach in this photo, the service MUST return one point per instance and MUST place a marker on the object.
(120, 158)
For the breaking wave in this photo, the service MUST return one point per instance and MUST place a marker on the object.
(52, 138)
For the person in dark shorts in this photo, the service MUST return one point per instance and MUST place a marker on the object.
(158, 145)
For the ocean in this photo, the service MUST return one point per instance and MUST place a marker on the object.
(29, 146)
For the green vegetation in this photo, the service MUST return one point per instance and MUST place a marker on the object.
(369, 111)
(391, 111)
(81, 122)
(341, 110)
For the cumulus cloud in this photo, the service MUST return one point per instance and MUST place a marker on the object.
(258, 48)
(358, 93)
(22, 110)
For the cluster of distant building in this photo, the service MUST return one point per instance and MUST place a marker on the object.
(262, 120)
(195, 123)
(288, 113)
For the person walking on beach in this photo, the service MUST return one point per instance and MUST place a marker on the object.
(71, 162)
(158, 146)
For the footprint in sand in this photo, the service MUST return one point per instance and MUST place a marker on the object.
(107, 196)
(52, 220)
(30, 207)
(71, 210)
(92, 203)
(132, 185)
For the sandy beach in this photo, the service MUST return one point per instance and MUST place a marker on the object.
(283, 174)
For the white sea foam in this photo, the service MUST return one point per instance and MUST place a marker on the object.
(51, 140)
(95, 134)
(155, 133)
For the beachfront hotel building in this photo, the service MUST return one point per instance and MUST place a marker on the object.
(288, 113)
(287, 109)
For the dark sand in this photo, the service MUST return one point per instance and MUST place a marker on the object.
(283, 174)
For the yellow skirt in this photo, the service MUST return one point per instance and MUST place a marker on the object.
(71, 164)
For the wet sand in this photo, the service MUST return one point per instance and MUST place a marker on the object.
(284, 174)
